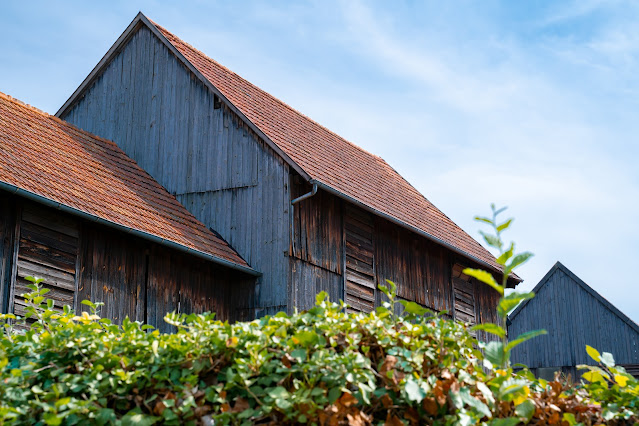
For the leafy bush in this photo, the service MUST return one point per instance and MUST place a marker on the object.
(323, 366)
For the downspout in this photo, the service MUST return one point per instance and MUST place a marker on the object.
(291, 219)
(297, 200)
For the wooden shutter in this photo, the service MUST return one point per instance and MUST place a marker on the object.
(359, 285)
(464, 296)
(48, 248)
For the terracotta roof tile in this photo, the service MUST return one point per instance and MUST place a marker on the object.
(332, 160)
(46, 156)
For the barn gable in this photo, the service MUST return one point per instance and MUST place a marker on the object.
(320, 156)
(198, 148)
(308, 209)
(574, 316)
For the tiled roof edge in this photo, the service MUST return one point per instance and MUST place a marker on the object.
(147, 236)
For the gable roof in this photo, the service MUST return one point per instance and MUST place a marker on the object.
(578, 281)
(50, 161)
(317, 154)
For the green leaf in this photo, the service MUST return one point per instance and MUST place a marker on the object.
(525, 410)
(53, 419)
(510, 421)
(607, 359)
(414, 308)
(414, 391)
(510, 302)
(490, 328)
(494, 352)
(471, 401)
(333, 394)
(594, 353)
(278, 392)
(518, 260)
(483, 219)
(524, 337)
(484, 277)
(512, 388)
(504, 225)
(491, 240)
(306, 338)
(506, 255)
(321, 297)
(569, 418)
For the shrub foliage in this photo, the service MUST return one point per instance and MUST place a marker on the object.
(322, 366)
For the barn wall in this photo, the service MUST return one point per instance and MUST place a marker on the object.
(347, 251)
(145, 281)
(131, 276)
(171, 125)
(573, 319)
(420, 269)
(316, 247)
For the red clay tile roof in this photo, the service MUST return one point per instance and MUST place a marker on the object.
(48, 157)
(332, 160)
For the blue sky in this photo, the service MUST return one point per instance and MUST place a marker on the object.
(532, 104)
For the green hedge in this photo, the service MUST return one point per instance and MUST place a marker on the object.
(322, 366)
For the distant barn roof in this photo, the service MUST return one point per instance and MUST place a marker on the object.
(47, 159)
(577, 281)
(318, 154)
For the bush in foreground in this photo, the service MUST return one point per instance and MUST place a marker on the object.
(323, 366)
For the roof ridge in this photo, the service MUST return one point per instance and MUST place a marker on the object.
(276, 99)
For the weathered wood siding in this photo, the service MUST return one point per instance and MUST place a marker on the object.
(7, 232)
(342, 249)
(360, 284)
(573, 319)
(316, 249)
(48, 249)
(172, 126)
(420, 269)
(133, 277)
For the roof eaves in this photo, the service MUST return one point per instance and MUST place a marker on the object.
(147, 236)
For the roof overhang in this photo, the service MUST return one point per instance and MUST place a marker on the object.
(12, 189)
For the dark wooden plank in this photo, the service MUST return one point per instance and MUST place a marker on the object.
(44, 255)
(61, 296)
(55, 221)
(353, 266)
(48, 237)
(361, 279)
(362, 242)
(461, 306)
(51, 276)
(358, 265)
(463, 285)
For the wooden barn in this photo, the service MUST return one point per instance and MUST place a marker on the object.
(76, 211)
(574, 315)
(308, 209)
